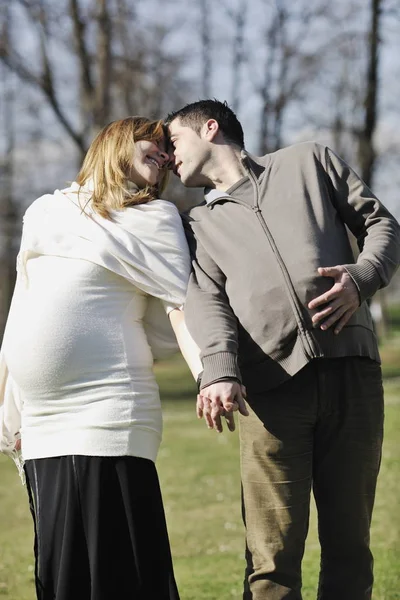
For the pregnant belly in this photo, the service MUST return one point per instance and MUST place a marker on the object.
(47, 352)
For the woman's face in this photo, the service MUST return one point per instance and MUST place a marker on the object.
(149, 158)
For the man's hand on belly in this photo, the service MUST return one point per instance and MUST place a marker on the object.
(339, 303)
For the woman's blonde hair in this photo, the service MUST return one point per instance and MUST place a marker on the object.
(108, 163)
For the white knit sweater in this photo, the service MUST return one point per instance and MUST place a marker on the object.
(87, 317)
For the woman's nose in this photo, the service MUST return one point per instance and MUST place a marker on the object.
(164, 157)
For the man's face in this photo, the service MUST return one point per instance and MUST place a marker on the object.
(188, 154)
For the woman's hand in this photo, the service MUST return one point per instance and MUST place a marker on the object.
(221, 399)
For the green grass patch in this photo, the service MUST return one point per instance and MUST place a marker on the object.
(199, 472)
(390, 354)
(394, 317)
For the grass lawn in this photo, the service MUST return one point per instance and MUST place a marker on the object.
(199, 475)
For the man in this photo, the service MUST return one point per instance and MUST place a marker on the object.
(277, 302)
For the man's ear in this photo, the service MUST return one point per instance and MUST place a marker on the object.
(210, 130)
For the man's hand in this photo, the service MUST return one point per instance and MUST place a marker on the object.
(339, 303)
(221, 399)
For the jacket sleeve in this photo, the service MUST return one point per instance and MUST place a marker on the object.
(376, 230)
(209, 317)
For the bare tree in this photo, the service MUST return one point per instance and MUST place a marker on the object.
(287, 65)
(366, 149)
(119, 68)
(238, 19)
(8, 210)
(206, 46)
(104, 64)
(43, 78)
(347, 96)
(86, 84)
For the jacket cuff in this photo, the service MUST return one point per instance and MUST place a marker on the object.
(366, 278)
(221, 365)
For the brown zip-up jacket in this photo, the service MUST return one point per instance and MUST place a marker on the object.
(256, 249)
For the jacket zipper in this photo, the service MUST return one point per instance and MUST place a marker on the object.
(286, 277)
(257, 210)
(295, 307)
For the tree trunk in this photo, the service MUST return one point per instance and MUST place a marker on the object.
(9, 215)
(238, 54)
(367, 155)
(206, 21)
(366, 145)
(103, 51)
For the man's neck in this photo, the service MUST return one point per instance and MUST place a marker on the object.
(226, 168)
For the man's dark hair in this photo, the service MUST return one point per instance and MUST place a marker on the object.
(194, 115)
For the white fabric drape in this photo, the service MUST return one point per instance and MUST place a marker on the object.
(145, 244)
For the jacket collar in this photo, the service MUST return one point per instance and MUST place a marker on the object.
(253, 164)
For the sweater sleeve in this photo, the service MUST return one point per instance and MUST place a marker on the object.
(376, 230)
(210, 319)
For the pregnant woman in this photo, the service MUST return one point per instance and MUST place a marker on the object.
(102, 263)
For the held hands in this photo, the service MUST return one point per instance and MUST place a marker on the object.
(337, 304)
(221, 399)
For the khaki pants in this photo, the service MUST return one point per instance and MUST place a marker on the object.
(323, 430)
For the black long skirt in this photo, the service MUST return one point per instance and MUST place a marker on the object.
(100, 530)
